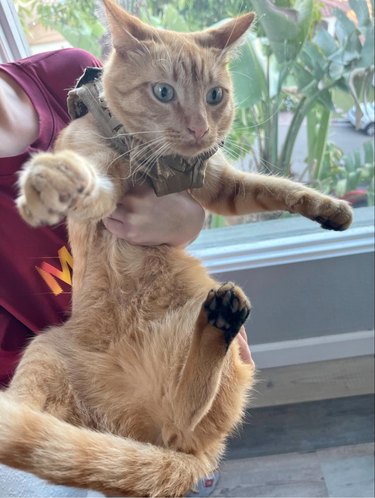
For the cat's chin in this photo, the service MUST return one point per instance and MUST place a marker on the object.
(192, 150)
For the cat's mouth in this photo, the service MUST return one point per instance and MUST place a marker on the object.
(192, 149)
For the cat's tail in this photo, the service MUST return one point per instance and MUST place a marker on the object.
(40, 443)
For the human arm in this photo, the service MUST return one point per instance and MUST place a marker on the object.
(245, 352)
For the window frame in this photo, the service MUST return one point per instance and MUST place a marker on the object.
(13, 43)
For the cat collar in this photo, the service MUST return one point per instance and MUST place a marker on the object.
(167, 174)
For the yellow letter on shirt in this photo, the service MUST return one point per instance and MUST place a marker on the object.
(49, 272)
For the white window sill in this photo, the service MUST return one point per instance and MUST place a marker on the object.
(280, 242)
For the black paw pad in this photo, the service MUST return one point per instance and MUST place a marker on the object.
(227, 309)
(328, 224)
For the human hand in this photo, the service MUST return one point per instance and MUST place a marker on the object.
(142, 218)
(245, 352)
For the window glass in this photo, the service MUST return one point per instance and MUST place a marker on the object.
(303, 79)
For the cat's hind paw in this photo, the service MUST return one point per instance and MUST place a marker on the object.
(227, 309)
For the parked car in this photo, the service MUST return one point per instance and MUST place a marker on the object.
(367, 123)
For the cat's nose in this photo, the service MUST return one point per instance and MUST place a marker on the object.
(198, 132)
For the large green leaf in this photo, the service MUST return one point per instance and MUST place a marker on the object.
(314, 61)
(325, 99)
(367, 53)
(303, 77)
(325, 42)
(344, 26)
(361, 10)
(286, 29)
(249, 80)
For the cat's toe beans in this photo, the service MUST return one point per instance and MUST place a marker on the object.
(235, 305)
(339, 217)
(25, 212)
(64, 198)
(227, 309)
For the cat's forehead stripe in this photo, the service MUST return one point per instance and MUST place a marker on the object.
(190, 67)
(187, 63)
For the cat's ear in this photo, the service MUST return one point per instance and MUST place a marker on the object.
(226, 36)
(128, 32)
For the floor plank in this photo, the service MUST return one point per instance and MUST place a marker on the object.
(272, 476)
(304, 427)
(334, 472)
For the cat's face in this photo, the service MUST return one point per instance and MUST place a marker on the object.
(170, 89)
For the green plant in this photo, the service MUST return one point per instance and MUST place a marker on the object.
(196, 14)
(341, 174)
(265, 68)
(76, 21)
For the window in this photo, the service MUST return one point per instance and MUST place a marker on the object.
(297, 80)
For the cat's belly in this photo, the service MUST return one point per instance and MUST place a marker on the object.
(129, 388)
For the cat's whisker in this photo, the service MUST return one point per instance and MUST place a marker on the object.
(257, 125)
(155, 155)
(237, 148)
(137, 156)
(243, 74)
(128, 134)
(139, 147)
(148, 164)
(230, 155)
(138, 133)
(143, 146)
(140, 163)
(124, 154)
(269, 166)
(234, 145)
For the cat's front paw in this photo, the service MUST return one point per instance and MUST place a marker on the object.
(335, 215)
(51, 184)
(227, 309)
(331, 213)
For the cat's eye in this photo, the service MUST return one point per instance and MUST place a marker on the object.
(215, 95)
(163, 92)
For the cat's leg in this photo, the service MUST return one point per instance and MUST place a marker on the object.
(41, 432)
(40, 380)
(228, 191)
(37, 442)
(221, 316)
(56, 184)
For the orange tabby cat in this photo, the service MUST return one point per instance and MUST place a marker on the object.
(138, 391)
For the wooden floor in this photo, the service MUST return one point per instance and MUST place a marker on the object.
(304, 427)
(345, 471)
(312, 449)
